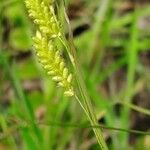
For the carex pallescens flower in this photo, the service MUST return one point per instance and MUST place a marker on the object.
(42, 12)
(53, 63)
(48, 54)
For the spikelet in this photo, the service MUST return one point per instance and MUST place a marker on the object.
(42, 12)
(53, 63)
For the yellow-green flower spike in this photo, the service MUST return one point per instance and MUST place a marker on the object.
(43, 15)
(53, 63)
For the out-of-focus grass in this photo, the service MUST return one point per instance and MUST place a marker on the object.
(112, 43)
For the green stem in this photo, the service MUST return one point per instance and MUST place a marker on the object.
(85, 100)
(135, 107)
(86, 104)
(132, 55)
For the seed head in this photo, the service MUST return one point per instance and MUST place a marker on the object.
(42, 13)
(53, 63)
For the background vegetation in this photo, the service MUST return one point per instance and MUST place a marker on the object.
(112, 39)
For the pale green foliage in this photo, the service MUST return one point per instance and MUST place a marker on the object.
(49, 56)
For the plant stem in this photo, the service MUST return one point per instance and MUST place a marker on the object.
(87, 107)
(132, 55)
(85, 100)
(135, 107)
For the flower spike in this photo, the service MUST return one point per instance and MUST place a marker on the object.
(49, 56)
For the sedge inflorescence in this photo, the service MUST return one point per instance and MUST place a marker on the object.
(42, 12)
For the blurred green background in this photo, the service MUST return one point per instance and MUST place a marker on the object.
(112, 38)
